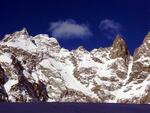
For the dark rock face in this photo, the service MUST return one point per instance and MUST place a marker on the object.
(3, 94)
(120, 49)
(17, 65)
(2, 75)
(36, 91)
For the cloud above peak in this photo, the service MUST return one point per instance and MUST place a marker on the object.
(69, 29)
(110, 28)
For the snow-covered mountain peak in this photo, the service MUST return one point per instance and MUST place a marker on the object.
(24, 31)
(16, 36)
(80, 50)
(43, 38)
(20, 34)
(21, 39)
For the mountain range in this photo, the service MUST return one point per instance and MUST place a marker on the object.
(38, 69)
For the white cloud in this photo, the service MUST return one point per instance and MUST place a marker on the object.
(110, 28)
(69, 29)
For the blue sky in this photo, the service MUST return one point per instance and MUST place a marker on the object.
(91, 23)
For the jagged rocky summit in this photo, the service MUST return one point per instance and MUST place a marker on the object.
(34, 69)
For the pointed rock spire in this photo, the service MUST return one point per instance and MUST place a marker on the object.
(119, 43)
(24, 31)
(119, 48)
(143, 48)
(141, 60)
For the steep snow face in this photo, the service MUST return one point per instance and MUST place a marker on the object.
(5, 57)
(20, 40)
(129, 70)
(130, 66)
(36, 68)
